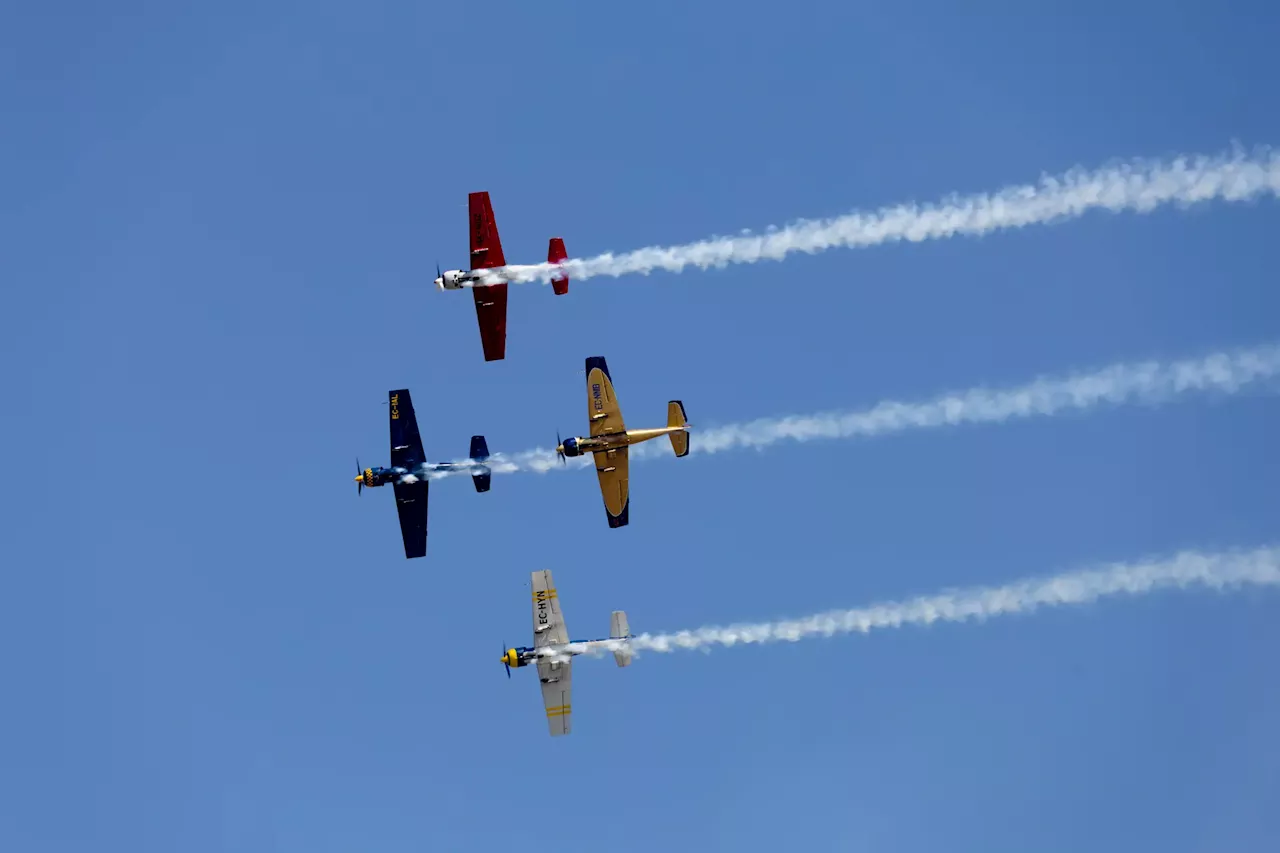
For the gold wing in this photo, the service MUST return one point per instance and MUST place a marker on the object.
(603, 412)
(611, 468)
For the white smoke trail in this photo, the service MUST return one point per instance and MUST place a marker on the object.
(1150, 382)
(1139, 186)
(1219, 571)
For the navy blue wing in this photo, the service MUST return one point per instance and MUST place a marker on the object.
(594, 361)
(411, 505)
(406, 443)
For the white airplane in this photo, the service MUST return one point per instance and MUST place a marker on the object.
(553, 654)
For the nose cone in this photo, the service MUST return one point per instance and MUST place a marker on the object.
(440, 283)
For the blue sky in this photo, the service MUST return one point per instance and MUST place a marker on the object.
(220, 227)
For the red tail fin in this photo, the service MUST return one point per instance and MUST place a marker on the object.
(556, 254)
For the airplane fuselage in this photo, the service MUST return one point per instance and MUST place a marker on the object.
(456, 279)
(578, 445)
(523, 655)
(374, 477)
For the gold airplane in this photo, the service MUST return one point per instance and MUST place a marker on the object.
(610, 439)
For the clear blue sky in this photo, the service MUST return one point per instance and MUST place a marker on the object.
(219, 229)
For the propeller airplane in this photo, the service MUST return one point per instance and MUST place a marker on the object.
(610, 439)
(409, 474)
(486, 254)
(552, 651)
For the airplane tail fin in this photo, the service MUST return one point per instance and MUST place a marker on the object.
(480, 474)
(676, 418)
(556, 254)
(620, 630)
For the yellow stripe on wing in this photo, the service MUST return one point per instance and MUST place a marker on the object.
(558, 711)
(544, 594)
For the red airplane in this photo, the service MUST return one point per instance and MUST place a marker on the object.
(486, 253)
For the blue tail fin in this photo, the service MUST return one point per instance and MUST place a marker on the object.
(480, 474)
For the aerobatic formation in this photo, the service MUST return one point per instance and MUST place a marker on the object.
(1139, 187)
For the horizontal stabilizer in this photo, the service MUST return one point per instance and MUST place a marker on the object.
(556, 254)
(480, 474)
(619, 630)
(676, 418)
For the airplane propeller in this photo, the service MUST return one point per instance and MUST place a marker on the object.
(560, 448)
(359, 478)
(504, 660)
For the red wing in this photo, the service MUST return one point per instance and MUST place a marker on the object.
(486, 248)
(486, 253)
(491, 311)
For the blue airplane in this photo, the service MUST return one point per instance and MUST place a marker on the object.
(410, 473)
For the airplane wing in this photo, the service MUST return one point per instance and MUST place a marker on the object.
(406, 442)
(491, 300)
(555, 675)
(555, 698)
(406, 452)
(611, 468)
(411, 506)
(602, 406)
(548, 622)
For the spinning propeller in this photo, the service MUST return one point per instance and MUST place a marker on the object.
(560, 448)
(359, 478)
(504, 660)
